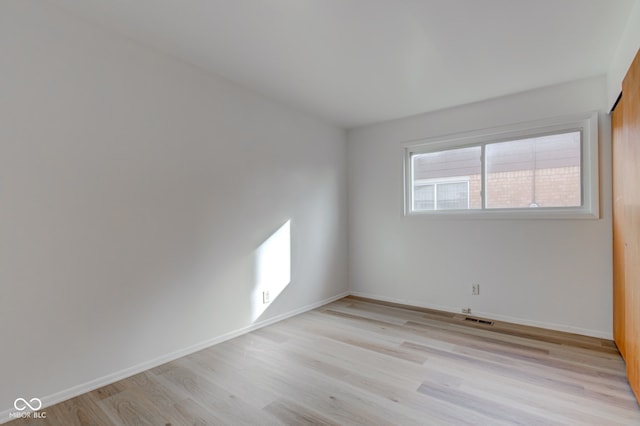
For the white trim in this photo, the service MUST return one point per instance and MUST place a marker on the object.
(516, 130)
(91, 385)
(492, 316)
(587, 123)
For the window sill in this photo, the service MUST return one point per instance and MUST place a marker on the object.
(502, 214)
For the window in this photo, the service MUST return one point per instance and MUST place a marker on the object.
(542, 169)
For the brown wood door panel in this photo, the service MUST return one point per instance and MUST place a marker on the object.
(631, 221)
(618, 229)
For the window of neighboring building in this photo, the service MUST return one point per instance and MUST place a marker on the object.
(441, 194)
(447, 179)
(547, 169)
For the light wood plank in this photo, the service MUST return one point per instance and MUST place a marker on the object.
(357, 361)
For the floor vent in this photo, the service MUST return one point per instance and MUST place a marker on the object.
(478, 321)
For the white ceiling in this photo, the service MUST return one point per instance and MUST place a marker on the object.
(355, 62)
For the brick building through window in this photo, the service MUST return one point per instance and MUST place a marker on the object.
(543, 171)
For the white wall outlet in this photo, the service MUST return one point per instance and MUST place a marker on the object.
(475, 289)
(466, 310)
(265, 297)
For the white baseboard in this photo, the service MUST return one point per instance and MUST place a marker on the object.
(91, 385)
(493, 316)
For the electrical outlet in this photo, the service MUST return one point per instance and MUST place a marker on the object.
(265, 297)
(466, 310)
(475, 289)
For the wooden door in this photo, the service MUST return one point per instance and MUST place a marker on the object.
(619, 310)
(631, 125)
(626, 223)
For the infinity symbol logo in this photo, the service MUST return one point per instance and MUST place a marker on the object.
(21, 404)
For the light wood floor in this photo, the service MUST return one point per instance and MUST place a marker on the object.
(358, 362)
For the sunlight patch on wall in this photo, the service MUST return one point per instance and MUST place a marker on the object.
(272, 269)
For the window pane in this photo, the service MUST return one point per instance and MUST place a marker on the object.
(453, 195)
(454, 175)
(423, 197)
(534, 172)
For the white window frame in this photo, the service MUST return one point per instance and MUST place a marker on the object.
(586, 124)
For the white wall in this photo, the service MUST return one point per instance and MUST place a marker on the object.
(626, 51)
(134, 193)
(550, 273)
